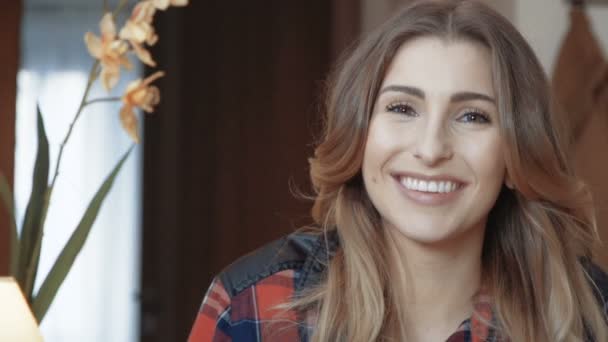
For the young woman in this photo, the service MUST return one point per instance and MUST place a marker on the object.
(446, 204)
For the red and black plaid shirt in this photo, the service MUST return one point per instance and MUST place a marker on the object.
(240, 304)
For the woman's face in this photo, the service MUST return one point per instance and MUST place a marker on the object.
(433, 163)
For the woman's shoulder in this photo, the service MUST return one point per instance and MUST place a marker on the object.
(297, 258)
(243, 298)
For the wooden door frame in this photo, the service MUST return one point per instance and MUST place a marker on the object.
(10, 21)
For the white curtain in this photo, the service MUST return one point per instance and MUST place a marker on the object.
(99, 299)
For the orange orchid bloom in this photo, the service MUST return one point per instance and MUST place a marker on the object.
(139, 30)
(142, 95)
(164, 4)
(110, 51)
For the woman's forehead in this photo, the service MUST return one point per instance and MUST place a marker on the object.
(441, 66)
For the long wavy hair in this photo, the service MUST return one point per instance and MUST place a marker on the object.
(538, 234)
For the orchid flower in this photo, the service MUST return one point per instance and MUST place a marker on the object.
(139, 94)
(110, 51)
(139, 30)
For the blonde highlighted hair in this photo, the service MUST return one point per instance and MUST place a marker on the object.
(537, 235)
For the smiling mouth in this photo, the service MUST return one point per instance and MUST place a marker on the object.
(429, 186)
(430, 191)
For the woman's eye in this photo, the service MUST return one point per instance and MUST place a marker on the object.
(401, 108)
(474, 117)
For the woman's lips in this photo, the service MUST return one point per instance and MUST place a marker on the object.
(429, 191)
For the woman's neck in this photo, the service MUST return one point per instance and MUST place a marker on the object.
(439, 281)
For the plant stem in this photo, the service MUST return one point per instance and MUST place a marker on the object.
(92, 77)
(32, 268)
(103, 99)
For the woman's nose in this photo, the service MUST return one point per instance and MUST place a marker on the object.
(432, 144)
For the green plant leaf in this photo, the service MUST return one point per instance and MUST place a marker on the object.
(9, 204)
(32, 229)
(70, 251)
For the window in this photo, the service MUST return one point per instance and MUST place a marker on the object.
(98, 300)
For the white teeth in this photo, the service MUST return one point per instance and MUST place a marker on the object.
(428, 186)
(422, 186)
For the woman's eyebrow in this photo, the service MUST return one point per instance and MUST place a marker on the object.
(404, 89)
(456, 97)
(469, 95)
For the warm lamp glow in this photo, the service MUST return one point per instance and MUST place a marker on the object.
(16, 320)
